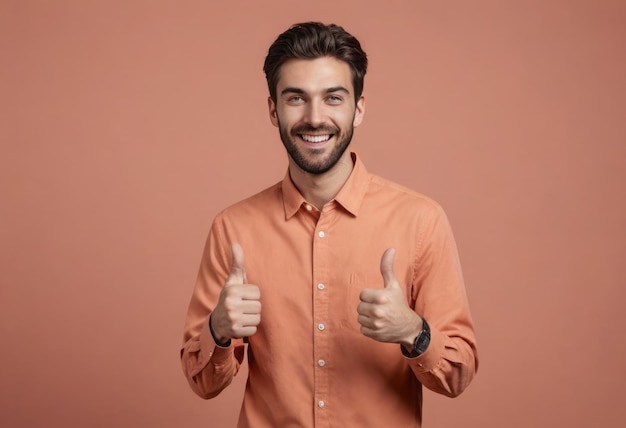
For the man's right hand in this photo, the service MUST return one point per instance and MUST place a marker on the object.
(238, 311)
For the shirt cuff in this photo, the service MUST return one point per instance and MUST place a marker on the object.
(430, 358)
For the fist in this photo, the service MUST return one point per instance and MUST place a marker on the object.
(238, 311)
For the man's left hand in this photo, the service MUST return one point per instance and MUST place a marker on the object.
(384, 314)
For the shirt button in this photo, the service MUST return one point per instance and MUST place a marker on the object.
(308, 207)
(321, 234)
(321, 404)
(320, 286)
(321, 363)
(320, 327)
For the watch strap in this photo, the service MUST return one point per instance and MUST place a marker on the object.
(421, 342)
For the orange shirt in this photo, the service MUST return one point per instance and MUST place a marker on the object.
(309, 365)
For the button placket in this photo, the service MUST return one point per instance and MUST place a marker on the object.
(320, 290)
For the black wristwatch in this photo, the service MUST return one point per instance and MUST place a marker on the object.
(421, 342)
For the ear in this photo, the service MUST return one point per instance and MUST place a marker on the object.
(359, 112)
(271, 105)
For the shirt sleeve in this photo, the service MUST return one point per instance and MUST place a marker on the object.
(450, 361)
(208, 367)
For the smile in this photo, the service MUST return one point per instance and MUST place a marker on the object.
(315, 138)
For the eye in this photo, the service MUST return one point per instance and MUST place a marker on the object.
(334, 99)
(295, 99)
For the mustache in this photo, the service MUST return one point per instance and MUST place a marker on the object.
(304, 129)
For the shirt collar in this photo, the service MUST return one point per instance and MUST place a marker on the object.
(349, 197)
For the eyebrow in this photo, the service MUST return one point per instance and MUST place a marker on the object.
(293, 90)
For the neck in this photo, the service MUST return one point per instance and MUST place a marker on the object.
(319, 189)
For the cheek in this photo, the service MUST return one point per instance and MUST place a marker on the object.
(285, 118)
(346, 120)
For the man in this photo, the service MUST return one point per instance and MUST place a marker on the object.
(346, 287)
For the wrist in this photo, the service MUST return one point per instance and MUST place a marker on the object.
(220, 341)
(409, 340)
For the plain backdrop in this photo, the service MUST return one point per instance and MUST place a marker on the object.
(126, 125)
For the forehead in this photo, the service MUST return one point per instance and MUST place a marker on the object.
(313, 75)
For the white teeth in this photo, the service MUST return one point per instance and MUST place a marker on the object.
(315, 138)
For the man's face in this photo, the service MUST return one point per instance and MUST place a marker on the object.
(316, 112)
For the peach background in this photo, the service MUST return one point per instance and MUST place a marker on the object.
(126, 125)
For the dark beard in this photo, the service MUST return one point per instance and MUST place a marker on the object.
(324, 165)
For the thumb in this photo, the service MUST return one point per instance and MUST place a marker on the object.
(386, 268)
(237, 268)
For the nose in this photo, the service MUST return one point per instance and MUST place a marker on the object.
(314, 115)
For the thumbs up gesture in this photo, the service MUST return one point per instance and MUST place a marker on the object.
(238, 311)
(384, 314)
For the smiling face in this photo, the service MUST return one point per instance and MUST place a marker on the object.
(316, 112)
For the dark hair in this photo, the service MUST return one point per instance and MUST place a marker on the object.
(312, 40)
